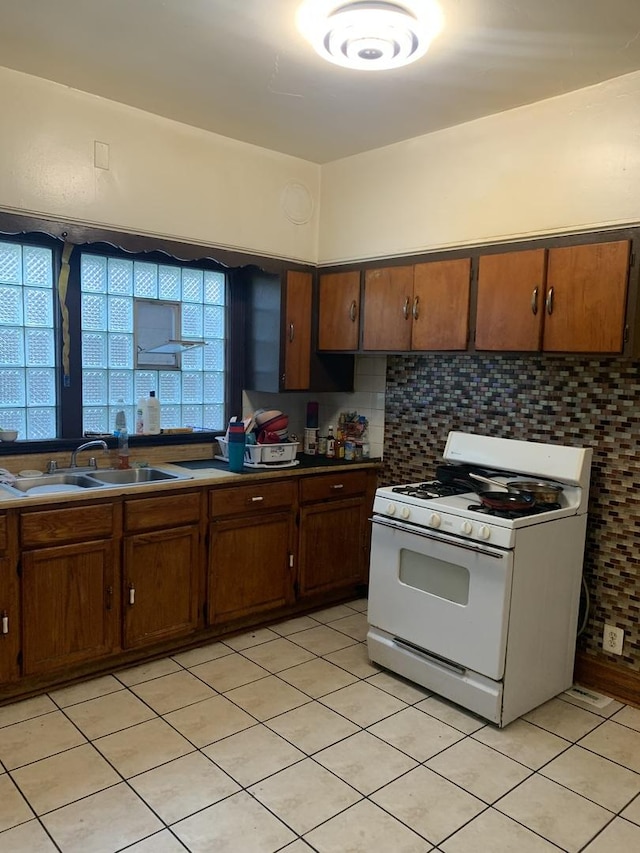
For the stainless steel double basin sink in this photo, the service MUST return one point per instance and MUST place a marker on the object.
(101, 478)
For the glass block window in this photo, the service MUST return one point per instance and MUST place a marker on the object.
(28, 395)
(190, 396)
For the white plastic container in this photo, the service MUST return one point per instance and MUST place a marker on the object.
(259, 454)
(151, 415)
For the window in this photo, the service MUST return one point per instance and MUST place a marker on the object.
(28, 396)
(118, 362)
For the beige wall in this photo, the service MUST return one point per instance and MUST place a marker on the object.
(566, 164)
(165, 178)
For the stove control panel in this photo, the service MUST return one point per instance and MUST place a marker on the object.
(443, 521)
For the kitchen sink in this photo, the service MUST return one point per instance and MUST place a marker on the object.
(130, 476)
(102, 478)
(49, 483)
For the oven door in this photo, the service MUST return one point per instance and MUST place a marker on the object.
(447, 597)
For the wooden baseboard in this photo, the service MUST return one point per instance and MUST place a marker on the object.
(607, 678)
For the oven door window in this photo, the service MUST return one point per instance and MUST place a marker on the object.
(437, 577)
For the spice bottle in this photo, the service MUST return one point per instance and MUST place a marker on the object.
(331, 444)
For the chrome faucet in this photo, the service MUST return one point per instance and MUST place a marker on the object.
(86, 446)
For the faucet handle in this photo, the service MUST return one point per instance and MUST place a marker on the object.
(92, 462)
(52, 466)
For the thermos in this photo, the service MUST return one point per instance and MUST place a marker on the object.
(236, 447)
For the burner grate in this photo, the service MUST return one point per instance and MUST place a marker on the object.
(432, 489)
(510, 513)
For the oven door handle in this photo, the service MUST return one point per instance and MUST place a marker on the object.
(403, 528)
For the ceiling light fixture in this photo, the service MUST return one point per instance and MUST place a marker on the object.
(370, 35)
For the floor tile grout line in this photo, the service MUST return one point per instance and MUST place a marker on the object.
(327, 768)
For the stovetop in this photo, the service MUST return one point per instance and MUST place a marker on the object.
(431, 489)
(453, 508)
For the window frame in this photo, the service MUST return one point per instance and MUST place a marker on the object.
(54, 234)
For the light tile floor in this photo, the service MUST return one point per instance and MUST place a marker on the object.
(289, 739)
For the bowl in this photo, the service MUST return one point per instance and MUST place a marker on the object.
(275, 424)
(8, 434)
(262, 416)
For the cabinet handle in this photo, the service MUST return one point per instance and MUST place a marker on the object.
(415, 311)
(550, 301)
(132, 594)
(338, 486)
(5, 622)
(534, 301)
(405, 308)
(109, 598)
(353, 311)
(291, 332)
(256, 499)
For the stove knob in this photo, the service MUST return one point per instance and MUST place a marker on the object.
(484, 531)
(434, 520)
(406, 512)
(391, 509)
(466, 527)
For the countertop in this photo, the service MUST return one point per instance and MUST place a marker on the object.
(202, 472)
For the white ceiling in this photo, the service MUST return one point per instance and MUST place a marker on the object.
(239, 67)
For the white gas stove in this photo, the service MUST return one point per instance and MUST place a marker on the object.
(478, 606)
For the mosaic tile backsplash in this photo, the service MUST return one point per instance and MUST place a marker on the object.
(556, 399)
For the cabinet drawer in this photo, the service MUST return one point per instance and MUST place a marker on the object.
(153, 513)
(339, 485)
(75, 524)
(257, 497)
(4, 536)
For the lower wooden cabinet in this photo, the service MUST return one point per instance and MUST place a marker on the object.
(251, 550)
(333, 532)
(161, 568)
(250, 566)
(70, 605)
(9, 600)
(87, 584)
(160, 585)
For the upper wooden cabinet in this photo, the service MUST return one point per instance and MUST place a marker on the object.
(587, 298)
(440, 306)
(339, 311)
(388, 294)
(564, 299)
(511, 293)
(297, 331)
(280, 354)
(421, 307)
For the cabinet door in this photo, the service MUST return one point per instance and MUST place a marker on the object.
(9, 601)
(339, 311)
(297, 351)
(586, 298)
(511, 289)
(440, 308)
(332, 546)
(250, 566)
(388, 296)
(9, 624)
(70, 610)
(160, 585)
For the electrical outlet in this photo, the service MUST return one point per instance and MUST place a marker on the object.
(612, 639)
